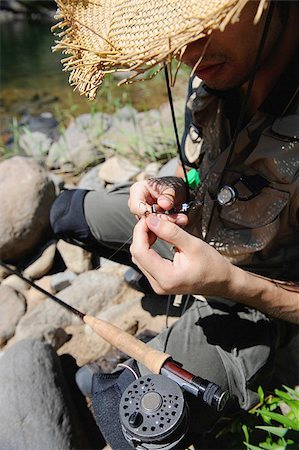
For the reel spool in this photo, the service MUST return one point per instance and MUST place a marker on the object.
(154, 413)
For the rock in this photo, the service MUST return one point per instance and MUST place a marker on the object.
(58, 182)
(4, 273)
(117, 170)
(26, 196)
(35, 144)
(80, 143)
(43, 262)
(169, 169)
(150, 171)
(12, 308)
(90, 293)
(76, 258)
(145, 134)
(55, 337)
(62, 280)
(133, 318)
(84, 347)
(109, 266)
(16, 283)
(35, 297)
(45, 123)
(91, 180)
(37, 409)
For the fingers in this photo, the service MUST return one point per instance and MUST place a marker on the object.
(170, 231)
(164, 192)
(159, 271)
(140, 199)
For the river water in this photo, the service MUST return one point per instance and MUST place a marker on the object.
(32, 81)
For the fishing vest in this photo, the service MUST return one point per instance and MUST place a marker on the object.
(259, 231)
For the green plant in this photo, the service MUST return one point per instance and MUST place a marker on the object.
(280, 413)
(13, 149)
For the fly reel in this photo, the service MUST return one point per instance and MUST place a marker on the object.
(154, 413)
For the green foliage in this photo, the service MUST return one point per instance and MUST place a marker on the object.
(273, 424)
(281, 414)
(7, 151)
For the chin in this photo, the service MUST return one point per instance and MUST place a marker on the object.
(219, 85)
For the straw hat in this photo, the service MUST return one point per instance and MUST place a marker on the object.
(104, 36)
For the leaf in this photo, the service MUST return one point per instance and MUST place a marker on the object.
(246, 433)
(277, 431)
(292, 391)
(283, 395)
(286, 421)
(251, 447)
(272, 446)
(261, 394)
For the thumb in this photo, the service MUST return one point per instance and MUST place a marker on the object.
(169, 231)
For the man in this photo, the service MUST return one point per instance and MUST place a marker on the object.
(241, 234)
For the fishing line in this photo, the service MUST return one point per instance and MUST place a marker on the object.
(115, 253)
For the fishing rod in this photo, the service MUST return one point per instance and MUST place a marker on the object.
(149, 401)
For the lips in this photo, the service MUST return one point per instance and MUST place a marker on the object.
(209, 70)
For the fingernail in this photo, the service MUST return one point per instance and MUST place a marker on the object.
(180, 221)
(153, 219)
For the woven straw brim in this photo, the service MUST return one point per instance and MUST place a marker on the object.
(104, 36)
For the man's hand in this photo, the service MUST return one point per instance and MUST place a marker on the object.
(197, 268)
(165, 192)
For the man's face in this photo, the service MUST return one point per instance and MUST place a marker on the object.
(228, 57)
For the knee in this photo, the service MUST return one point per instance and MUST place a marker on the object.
(67, 217)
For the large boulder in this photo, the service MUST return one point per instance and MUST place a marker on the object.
(37, 411)
(26, 196)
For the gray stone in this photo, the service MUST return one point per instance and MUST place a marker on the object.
(62, 280)
(37, 411)
(44, 123)
(42, 263)
(91, 180)
(90, 293)
(76, 258)
(145, 135)
(117, 170)
(35, 144)
(12, 308)
(79, 145)
(26, 196)
(169, 169)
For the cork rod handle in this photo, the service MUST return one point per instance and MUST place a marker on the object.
(143, 353)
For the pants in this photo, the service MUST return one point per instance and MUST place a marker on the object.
(224, 342)
(99, 221)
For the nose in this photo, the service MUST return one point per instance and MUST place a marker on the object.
(194, 52)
